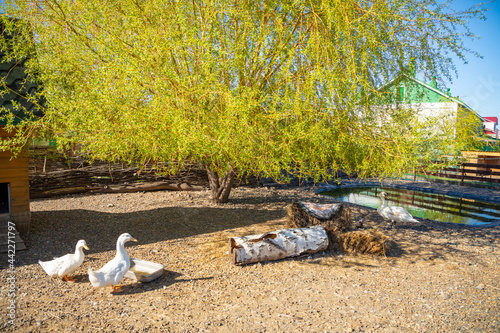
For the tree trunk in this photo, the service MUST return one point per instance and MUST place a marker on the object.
(220, 187)
(277, 245)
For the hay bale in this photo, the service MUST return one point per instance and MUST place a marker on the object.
(371, 241)
(339, 221)
(340, 240)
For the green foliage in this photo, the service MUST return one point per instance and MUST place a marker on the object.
(470, 133)
(252, 86)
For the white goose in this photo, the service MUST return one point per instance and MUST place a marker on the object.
(111, 273)
(394, 214)
(67, 264)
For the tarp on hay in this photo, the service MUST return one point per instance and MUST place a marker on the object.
(333, 217)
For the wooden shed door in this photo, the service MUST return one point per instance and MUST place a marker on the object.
(4, 201)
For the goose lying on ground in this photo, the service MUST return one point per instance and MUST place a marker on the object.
(67, 264)
(111, 273)
(394, 213)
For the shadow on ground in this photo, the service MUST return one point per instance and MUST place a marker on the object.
(57, 232)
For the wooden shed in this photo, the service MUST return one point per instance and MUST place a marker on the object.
(14, 171)
(489, 162)
(14, 190)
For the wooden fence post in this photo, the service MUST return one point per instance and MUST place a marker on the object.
(463, 175)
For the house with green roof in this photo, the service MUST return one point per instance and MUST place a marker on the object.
(427, 97)
(430, 101)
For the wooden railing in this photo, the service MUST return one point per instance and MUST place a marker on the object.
(478, 172)
(440, 203)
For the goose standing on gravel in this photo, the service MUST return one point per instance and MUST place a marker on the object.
(67, 264)
(111, 273)
(394, 214)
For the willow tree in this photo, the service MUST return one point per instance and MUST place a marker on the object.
(242, 87)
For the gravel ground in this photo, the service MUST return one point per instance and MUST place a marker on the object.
(437, 278)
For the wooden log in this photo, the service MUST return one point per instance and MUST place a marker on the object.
(150, 187)
(277, 245)
(156, 186)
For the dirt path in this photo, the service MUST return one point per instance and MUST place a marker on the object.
(438, 278)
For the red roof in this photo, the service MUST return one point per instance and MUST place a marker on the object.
(492, 119)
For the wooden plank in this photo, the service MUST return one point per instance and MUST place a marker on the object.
(19, 181)
(4, 133)
(19, 201)
(20, 192)
(16, 192)
(5, 154)
(7, 178)
(481, 154)
(18, 186)
(14, 170)
(13, 181)
(8, 154)
(6, 164)
(483, 172)
(20, 206)
(486, 180)
(474, 171)
(482, 165)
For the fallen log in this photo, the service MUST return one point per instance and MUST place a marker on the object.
(146, 187)
(149, 187)
(277, 245)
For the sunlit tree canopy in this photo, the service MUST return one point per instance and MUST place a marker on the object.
(239, 86)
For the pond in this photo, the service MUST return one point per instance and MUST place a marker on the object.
(437, 207)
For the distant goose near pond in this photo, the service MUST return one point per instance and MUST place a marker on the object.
(394, 214)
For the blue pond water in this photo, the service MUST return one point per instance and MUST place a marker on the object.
(437, 207)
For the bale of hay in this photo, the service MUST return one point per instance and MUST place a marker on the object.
(370, 241)
(336, 222)
(302, 215)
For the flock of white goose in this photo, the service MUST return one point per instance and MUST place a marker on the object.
(109, 275)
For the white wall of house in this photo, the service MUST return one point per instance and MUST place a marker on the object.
(490, 126)
(435, 110)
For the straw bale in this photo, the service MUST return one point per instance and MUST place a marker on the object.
(371, 241)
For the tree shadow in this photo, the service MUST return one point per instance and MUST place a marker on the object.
(55, 233)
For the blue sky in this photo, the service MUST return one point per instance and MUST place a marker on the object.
(478, 82)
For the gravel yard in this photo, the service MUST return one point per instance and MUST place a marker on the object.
(437, 278)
